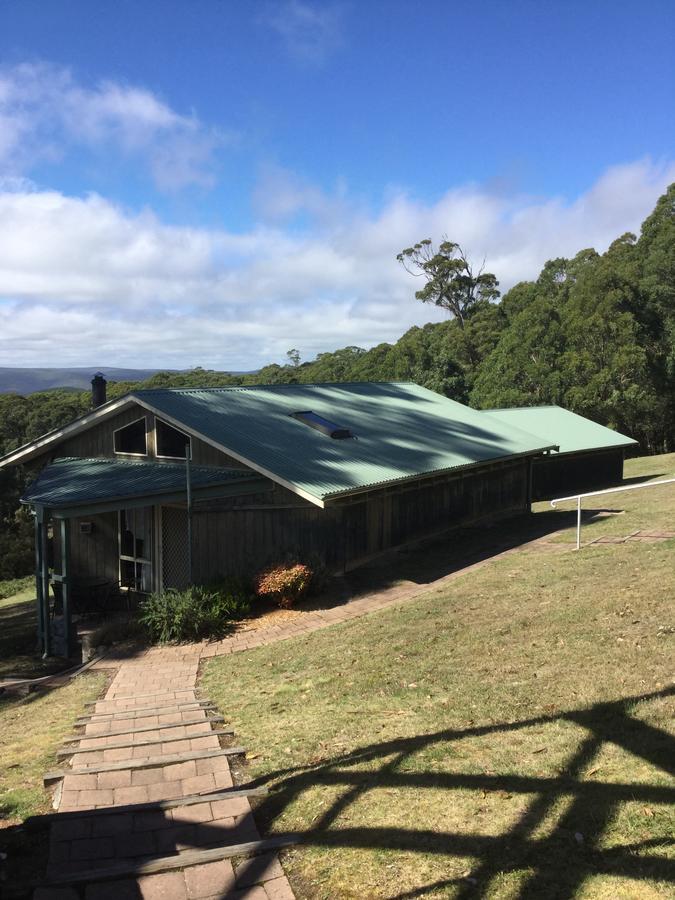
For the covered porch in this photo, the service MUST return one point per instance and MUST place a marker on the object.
(108, 525)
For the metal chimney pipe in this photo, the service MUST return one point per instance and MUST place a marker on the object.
(98, 390)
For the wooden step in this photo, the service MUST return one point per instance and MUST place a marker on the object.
(136, 712)
(150, 762)
(153, 865)
(121, 745)
(141, 728)
(159, 695)
(35, 822)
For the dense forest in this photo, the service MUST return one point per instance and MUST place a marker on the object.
(595, 334)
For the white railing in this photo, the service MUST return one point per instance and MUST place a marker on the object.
(578, 498)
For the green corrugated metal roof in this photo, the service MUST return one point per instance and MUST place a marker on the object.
(573, 433)
(70, 482)
(401, 431)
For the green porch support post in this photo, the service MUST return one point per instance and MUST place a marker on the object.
(65, 582)
(44, 579)
(37, 521)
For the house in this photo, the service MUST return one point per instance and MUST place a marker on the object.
(589, 456)
(162, 488)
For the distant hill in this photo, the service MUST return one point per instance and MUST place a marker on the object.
(28, 381)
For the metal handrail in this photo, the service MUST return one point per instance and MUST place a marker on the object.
(578, 498)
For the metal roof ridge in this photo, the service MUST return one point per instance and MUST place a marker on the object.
(257, 387)
(537, 406)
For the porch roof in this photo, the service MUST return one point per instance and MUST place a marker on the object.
(72, 483)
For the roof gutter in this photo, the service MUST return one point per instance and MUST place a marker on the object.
(110, 504)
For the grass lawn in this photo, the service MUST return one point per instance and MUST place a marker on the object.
(18, 638)
(509, 734)
(31, 730)
(651, 509)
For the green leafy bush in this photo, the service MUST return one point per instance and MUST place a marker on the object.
(15, 585)
(200, 611)
(284, 584)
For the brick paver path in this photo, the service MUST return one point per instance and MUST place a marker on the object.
(155, 700)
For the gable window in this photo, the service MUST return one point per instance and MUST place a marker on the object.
(325, 426)
(131, 439)
(171, 442)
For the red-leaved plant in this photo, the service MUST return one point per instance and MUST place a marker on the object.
(284, 584)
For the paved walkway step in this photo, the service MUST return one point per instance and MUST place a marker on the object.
(121, 745)
(33, 823)
(141, 728)
(150, 762)
(175, 861)
(164, 695)
(141, 711)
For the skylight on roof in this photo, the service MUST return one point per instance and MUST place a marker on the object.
(325, 426)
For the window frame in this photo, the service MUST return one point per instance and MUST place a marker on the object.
(158, 455)
(122, 427)
(138, 562)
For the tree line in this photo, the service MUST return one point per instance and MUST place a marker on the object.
(595, 334)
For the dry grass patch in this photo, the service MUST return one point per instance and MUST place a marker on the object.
(31, 730)
(508, 735)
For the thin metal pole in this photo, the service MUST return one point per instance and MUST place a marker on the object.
(188, 480)
(579, 523)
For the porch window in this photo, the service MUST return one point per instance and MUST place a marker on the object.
(135, 541)
(171, 442)
(131, 439)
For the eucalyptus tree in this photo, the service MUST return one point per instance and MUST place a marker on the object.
(450, 279)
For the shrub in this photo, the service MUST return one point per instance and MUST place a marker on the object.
(15, 586)
(194, 613)
(284, 584)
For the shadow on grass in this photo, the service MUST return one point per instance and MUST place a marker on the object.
(559, 864)
(436, 558)
(18, 643)
(639, 479)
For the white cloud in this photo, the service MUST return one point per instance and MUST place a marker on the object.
(310, 32)
(44, 113)
(83, 281)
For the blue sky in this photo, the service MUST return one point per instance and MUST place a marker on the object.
(237, 178)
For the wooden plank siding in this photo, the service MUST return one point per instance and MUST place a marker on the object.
(242, 535)
(561, 476)
(94, 554)
(97, 442)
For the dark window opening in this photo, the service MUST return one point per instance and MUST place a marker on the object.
(170, 441)
(135, 540)
(325, 426)
(131, 439)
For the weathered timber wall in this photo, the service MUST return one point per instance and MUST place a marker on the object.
(393, 516)
(244, 535)
(561, 476)
(94, 554)
(98, 442)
